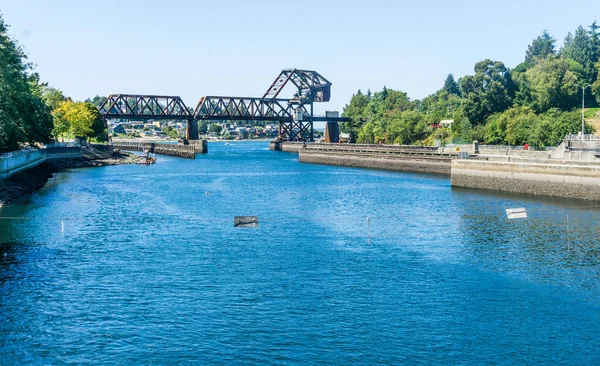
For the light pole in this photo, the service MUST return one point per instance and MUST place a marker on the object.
(582, 107)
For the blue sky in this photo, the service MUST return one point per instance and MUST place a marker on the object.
(195, 48)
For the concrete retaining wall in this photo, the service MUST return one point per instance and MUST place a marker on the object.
(286, 146)
(372, 161)
(16, 161)
(558, 179)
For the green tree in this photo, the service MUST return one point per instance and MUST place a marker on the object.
(84, 120)
(583, 48)
(97, 101)
(541, 47)
(450, 86)
(489, 91)
(552, 85)
(52, 97)
(202, 127)
(356, 110)
(596, 85)
(23, 115)
(215, 128)
(61, 123)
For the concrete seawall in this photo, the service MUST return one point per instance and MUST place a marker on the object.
(18, 161)
(568, 179)
(399, 163)
(286, 146)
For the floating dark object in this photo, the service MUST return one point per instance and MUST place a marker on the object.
(245, 221)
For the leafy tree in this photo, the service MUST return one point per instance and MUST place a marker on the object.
(202, 127)
(552, 85)
(356, 110)
(23, 115)
(83, 119)
(464, 130)
(596, 85)
(98, 100)
(407, 128)
(61, 123)
(490, 90)
(440, 105)
(52, 97)
(215, 128)
(541, 47)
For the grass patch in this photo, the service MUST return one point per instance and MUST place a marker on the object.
(590, 112)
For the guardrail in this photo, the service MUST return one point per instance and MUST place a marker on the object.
(381, 150)
(586, 137)
(370, 146)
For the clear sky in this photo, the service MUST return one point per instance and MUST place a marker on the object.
(236, 47)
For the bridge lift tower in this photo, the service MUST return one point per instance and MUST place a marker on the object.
(312, 88)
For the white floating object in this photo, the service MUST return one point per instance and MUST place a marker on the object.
(516, 213)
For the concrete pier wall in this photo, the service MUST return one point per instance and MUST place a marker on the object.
(286, 146)
(409, 163)
(548, 178)
(181, 151)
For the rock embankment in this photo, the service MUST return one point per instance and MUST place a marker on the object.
(30, 180)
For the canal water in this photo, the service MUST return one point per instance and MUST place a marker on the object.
(142, 264)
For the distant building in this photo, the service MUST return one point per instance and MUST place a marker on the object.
(446, 123)
(344, 137)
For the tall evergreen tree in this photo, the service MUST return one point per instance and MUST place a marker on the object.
(450, 85)
(542, 46)
(583, 49)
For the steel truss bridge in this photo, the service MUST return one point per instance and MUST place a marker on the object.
(294, 116)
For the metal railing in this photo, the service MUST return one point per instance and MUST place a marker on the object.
(586, 137)
(15, 153)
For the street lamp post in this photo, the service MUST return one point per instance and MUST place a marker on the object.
(582, 107)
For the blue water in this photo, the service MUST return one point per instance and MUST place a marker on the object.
(150, 270)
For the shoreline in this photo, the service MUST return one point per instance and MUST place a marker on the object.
(31, 180)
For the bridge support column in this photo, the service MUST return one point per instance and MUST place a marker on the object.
(275, 145)
(332, 132)
(191, 132)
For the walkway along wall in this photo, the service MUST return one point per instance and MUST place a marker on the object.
(16, 161)
(570, 179)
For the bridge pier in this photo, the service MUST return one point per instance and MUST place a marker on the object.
(191, 132)
(275, 145)
(200, 146)
(332, 132)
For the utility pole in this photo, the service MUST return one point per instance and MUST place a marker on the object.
(582, 107)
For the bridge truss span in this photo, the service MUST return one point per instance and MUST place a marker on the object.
(130, 106)
(242, 109)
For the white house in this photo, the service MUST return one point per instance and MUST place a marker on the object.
(446, 123)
